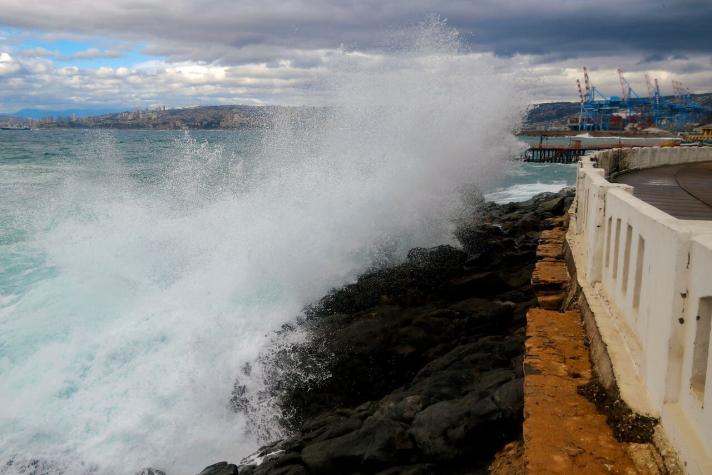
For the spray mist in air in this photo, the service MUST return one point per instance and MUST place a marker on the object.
(163, 279)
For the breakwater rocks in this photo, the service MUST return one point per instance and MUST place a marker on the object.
(423, 360)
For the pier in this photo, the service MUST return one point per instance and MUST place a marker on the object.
(563, 153)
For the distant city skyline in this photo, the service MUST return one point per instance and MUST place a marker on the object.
(127, 54)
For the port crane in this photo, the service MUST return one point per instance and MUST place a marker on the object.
(601, 112)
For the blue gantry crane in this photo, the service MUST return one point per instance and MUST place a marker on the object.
(601, 112)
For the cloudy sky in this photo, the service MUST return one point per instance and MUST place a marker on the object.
(141, 53)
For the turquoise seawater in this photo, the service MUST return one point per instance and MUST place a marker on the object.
(520, 181)
(140, 270)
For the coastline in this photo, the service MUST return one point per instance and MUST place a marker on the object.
(424, 359)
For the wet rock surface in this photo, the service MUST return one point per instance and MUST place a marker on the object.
(424, 358)
(220, 468)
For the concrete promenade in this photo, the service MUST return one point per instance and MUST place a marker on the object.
(683, 191)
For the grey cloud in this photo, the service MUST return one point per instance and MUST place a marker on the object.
(221, 30)
(661, 57)
(38, 53)
(691, 67)
(90, 53)
(94, 53)
(653, 58)
(228, 55)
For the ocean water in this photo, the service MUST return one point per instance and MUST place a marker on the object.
(140, 271)
(520, 181)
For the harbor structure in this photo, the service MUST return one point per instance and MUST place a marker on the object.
(599, 111)
(575, 148)
(702, 135)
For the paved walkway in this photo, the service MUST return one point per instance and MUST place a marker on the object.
(683, 191)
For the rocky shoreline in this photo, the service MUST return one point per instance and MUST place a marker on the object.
(423, 359)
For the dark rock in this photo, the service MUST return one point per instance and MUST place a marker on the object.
(405, 409)
(150, 471)
(220, 468)
(441, 430)
(332, 426)
(282, 463)
(421, 362)
(440, 257)
(417, 469)
(480, 239)
(476, 285)
(289, 470)
(482, 260)
(554, 206)
(380, 442)
(509, 396)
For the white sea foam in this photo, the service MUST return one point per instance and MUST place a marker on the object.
(523, 191)
(159, 291)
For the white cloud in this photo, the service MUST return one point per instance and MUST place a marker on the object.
(68, 71)
(8, 65)
(196, 73)
(156, 82)
(37, 67)
(104, 71)
(184, 83)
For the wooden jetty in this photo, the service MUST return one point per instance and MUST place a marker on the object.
(563, 153)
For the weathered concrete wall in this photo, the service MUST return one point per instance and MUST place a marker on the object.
(647, 278)
(615, 161)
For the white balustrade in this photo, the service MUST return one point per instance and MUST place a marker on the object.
(656, 272)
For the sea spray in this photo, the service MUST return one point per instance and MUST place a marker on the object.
(163, 279)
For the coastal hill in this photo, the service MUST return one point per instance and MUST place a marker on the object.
(201, 117)
(539, 116)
